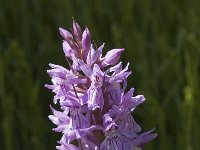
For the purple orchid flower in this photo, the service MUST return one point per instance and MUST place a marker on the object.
(95, 111)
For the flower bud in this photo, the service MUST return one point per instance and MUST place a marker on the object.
(77, 31)
(65, 34)
(86, 42)
(112, 57)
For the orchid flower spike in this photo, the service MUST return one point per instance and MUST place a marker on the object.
(95, 108)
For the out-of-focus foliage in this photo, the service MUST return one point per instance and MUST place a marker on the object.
(162, 41)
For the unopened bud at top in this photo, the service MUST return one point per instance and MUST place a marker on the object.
(86, 41)
(65, 34)
(112, 57)
(77, 31)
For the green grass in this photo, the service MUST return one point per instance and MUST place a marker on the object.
(162, 41)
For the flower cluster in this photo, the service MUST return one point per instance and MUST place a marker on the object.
(95, 109)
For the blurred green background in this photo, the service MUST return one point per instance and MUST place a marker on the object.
(162, 41)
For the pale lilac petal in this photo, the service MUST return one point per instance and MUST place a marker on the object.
(131, 127)
(57, 73)
(58, 117)
(116, 69)
(143, 138)
(95, 98)
(75, 64)
(114, 94)
(51, 87)
(85, 131)
(121, 76)
(133, 102)
(129, 94)
(61, 128)
(85, 68)
(90, 56)
(69, 103)
(98, 53)
(66, 146)
(56, 66)
(80, 133)
(69, 52)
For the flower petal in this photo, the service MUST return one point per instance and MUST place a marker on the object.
(66, 146)
(69, 52)
(144, 138)
(98, 53)
(85, 68)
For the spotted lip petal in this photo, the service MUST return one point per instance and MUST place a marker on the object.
(114, 140)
